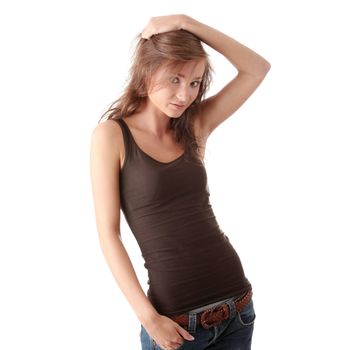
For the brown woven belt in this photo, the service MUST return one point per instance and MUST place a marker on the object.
(213, 316)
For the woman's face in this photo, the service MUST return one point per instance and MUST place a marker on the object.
(173, 91)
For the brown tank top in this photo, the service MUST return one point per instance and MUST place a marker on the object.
(189, 259)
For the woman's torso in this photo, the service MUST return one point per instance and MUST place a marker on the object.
(165, 201)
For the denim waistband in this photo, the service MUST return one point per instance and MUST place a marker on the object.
(204, 307)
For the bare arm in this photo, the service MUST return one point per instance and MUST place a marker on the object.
(125, 275)
(252, 68)
(243, 58)
(106, 143)
(104, 167)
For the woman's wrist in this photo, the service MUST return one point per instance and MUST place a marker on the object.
(147, 314)
(148, 318)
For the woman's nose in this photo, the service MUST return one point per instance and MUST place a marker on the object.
(182, 94)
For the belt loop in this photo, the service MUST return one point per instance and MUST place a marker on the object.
(192, 319)
(232, 306)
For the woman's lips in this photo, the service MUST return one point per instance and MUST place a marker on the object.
(177, 106)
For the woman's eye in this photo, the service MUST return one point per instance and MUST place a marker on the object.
(195, 83)
(176, 80)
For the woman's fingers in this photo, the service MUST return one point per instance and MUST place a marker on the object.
(161, 24)
(166, 333)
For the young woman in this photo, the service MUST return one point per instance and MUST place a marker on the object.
(147, 159)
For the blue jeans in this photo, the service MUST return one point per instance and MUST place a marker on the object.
(234, 333)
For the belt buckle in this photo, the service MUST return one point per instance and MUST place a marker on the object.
(215, 314)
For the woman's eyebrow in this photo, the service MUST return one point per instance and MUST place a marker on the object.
(182, 76)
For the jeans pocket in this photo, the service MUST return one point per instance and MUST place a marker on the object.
(148, 343)
(247, 316)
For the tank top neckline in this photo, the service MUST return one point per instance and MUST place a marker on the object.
(147, 155)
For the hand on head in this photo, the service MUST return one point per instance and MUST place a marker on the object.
(161, 24)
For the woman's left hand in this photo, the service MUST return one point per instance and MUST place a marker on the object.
(162, 24)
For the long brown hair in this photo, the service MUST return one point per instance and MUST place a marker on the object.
(167, 50)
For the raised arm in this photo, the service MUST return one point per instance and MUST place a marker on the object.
(244, 59)
(251, 67)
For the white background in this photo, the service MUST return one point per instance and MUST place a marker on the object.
(278, 169)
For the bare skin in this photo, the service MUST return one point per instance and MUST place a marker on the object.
(149, 126)
(150, 133)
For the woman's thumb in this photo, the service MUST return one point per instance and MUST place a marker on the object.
(185, 334)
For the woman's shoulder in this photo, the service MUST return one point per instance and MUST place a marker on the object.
(110, 128)
(108, 134)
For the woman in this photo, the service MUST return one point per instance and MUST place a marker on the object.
(147, 159)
